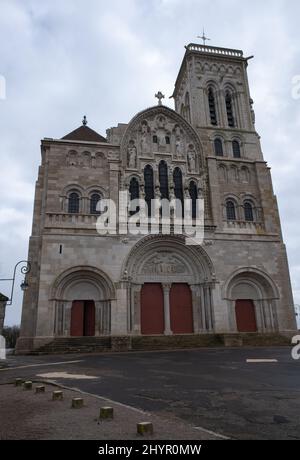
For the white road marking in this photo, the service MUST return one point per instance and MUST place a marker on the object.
(210, 432)
(66, 375)
(262, 360)
(41, 364)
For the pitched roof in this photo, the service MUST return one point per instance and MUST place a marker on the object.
(84, 133)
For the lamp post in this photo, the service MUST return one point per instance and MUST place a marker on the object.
(25, 269)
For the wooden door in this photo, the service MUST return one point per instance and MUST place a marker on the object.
(89, 318)
(77, 318)
(152, 309)
(245, 316)
(181, 309)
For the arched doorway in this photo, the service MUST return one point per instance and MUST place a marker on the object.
(82, 318)
(245, 316)
(181, 309)
(83, 297)
(152, 309)
(173, 283)
(252, 298)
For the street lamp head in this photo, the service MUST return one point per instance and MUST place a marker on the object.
(24, 285)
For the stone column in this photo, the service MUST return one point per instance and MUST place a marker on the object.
(203, 313)
(67, 318)
(98, 319)
(166, 290)
(135, 299)
(196, 309)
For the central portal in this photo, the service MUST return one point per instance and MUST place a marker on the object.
(181, 309)
(83, 318)
(152, 309)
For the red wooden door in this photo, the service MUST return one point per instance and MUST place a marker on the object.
(152, 310)
(77, 318)
(245, 316)
(89, 318)
(181, 309)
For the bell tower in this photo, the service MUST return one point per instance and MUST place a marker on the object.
(212, 93)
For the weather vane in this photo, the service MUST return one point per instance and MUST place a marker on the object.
(204, 37)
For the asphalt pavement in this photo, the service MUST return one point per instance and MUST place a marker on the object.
(237, 393)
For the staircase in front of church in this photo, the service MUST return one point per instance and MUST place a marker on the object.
(61, 345)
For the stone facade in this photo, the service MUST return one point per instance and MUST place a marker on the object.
(243, 257)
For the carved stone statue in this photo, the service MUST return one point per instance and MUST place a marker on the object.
(144, 138)
(178, 147)
(252, 111)
(132, 155)
(191, 157)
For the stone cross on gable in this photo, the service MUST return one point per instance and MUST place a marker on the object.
(159, 96)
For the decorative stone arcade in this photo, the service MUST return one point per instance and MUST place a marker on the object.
(169, 287)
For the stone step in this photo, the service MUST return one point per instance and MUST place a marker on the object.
(62, 345)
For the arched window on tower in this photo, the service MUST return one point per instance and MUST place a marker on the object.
(73, 203)
(193, 191)
(134, 192)
(248, 209)
(230, 210)
(229, 109)
(149, 187)
(187, 107)
(218, 147)
(236, 149)
(163, 179)
(212, 107)
(94, 201)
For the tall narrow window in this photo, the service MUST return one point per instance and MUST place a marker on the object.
(73, 203)
(229, 109)
(230, 210)
(212, 107)
(187, 108)
(134, 191)
(95, 199)
(236, 149)
(149, 187)
(194, 195)
(163, 180)
(178, 187)
(219, 147)
(248, 209)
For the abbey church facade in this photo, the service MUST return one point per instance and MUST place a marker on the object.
(83, 284)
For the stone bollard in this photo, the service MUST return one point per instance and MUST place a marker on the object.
(77, 403)
(27, 385)
(57, 396)
(19, 382)
(145, 428)
(40, 389)
(106, 413)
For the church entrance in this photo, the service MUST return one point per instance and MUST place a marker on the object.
(83, 318)
(181, 309)
(245, 316)
(152, 309)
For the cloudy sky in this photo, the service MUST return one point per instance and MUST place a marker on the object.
(106, 59)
